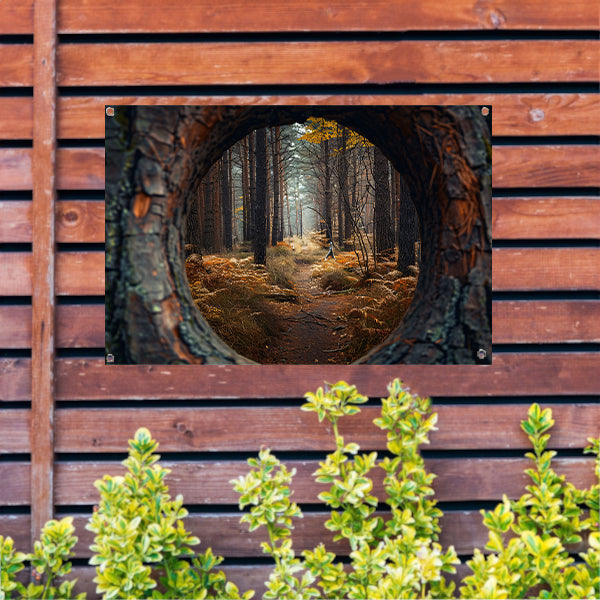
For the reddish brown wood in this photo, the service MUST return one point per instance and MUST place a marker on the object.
(80, 221)
(43, 271)
(15, 166)
(545, 269)
(15, 326)
(15, 379)
(80, 274)
(290, 429)
(16, 67)
(202, 482)
(15, 225)
(554, 373)
(17, 123)
(16, 274)
(15, 434)
(80, 169)
(215, 63)
(545, 218)
(514, 114)
(541, 321)
(295, 15)
(553, 166)
(16, 483)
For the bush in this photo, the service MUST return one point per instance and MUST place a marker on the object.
(337, 279)
(400, 557)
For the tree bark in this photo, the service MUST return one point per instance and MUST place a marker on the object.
(384, 237)
(260, 204)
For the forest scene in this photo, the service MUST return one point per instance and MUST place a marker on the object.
(302, 245)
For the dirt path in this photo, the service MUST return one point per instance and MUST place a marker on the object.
(314, 325)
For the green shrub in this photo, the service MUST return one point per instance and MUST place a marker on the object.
(400, 557)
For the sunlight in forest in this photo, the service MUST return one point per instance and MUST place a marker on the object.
(302, 245)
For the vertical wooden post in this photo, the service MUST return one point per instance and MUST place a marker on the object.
(42, 353)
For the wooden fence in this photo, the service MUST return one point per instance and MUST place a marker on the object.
(65, 416)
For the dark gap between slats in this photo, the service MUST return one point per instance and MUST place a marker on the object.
(16, 247)
(87, 300)
(80, 246)
(80, 353)
(561, 140)
(525, 348)
(15, 353)
(16, 38)
(16, 143)
(547, 243)
(324, 36)
(519, 192)
(16, 196)
(333, 89)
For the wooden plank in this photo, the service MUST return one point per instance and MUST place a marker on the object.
(514, 114)
(80, 169)
(80, 221)
(15, 166)
(553, 166)
(77, 326)
(17, 121)
(208, 482)
(15, 428)
(80, 274)
(541, 321)
(520, 374)
(290, 429)
(16, 273)
(16, 66)
(16, 483)
(43, 271)
(312, 15)
(545, 218)
(526, 269)
(271, 63)
(15, 225)
(76, 221)
(16, 16)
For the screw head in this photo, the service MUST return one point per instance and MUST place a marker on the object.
(110, 111)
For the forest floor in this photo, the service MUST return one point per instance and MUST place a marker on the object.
(300, 308)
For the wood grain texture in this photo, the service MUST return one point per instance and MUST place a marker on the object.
(545, 218)
(16, 16)
(208, 482)
(80, 221)
(553, 373)
(290, 429)
(15, 166)
(17, 117)
(15, 433)
(15, 225)
(272, 63)
(80, 169)
(43, 266)
(513, 114)
(77, 274)
(312, 15)
(553, 166)
(541, 321)
(526, 269)
(16, 66)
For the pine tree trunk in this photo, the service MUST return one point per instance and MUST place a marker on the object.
(260, 205)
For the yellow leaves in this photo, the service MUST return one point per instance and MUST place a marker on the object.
(319, 130)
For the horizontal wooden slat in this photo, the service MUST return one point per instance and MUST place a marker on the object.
(16, 488)
(16, 16)
(527, 269)
(236, 63)
(541, 321)
(521, 374)
(546, 166)
(513, 114)
(458, 480)
(17, 121)
(76, 221)
(77, 326)
(80, 221)
(514, 166)
(15, 433)
(312, 15)
(77, 274)
(545, 218)
(290, 429)
(16, 66)
(82, 273)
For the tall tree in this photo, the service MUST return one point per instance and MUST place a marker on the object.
(407, 225)
(275, 147)
(226, 202)
(384, 234)
(344, 230)
(260, 202)
(252, 177)
(245, 189)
